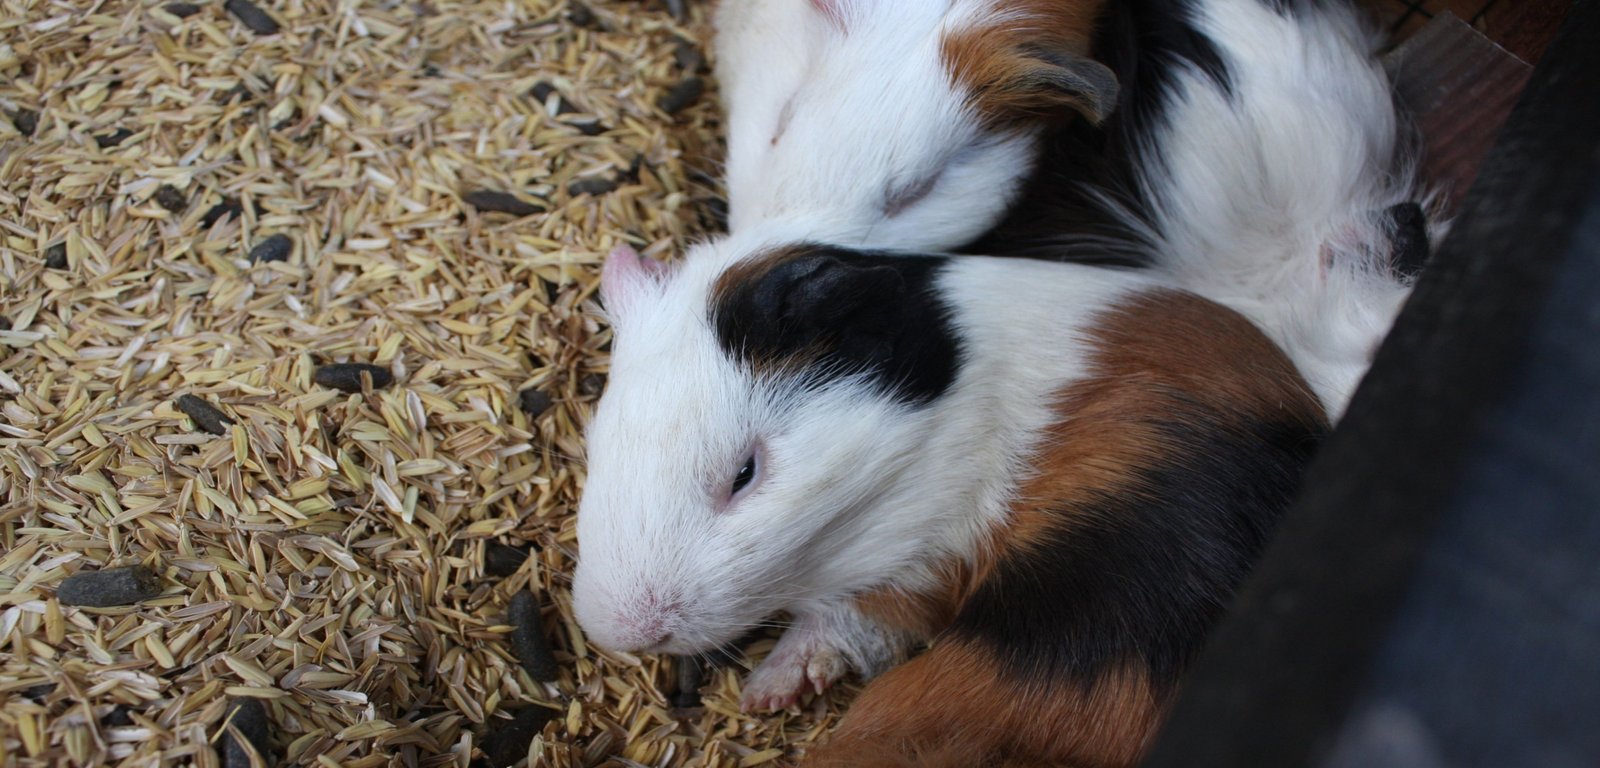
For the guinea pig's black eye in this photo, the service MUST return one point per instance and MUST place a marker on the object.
(746, 474)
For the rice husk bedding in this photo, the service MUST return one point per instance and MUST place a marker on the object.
(325, 554)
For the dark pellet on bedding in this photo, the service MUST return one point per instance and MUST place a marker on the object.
(688, 57)
(109, 587)
(55, 257)
(168, 197)
(39, 692)
(502, 560)
(259, 21)
(205, 415)
(688, 676)
(580, 15)
(112, 139)
(682, 96)
(527, 637)
(593, 384)
(274, 248)
(26, 121)
(543, 90)
(679, 11)
(118, 717)
(347, 376)
(181, 10)
(593, 185)
(247, 733)
(500, 202)
(587, 126)
(505, 742)
(534, 402)
(228, 207)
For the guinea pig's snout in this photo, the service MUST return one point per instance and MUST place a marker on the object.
(641, 621)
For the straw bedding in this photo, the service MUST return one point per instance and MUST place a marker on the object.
(191, 204)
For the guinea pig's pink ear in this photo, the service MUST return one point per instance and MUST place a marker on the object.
(626, 277)
(832, 10)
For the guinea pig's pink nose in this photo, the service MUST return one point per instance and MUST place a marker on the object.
(641, 631)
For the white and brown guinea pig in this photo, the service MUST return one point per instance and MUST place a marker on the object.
(1058, 472)
(897, 123)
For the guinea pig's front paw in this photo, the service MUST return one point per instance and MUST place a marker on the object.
(800, 662)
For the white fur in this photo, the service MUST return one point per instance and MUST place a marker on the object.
(858, 492)
(825, 119)
(1270, 203)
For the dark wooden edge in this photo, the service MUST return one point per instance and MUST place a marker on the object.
(1486, 391)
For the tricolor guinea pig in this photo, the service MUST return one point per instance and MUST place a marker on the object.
(1257, 158)
(1056, 472)
(902, 123)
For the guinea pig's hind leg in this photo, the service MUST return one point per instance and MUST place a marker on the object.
(817, 650)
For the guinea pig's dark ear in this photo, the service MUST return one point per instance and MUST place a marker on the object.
(1068, 80)
(816, 304)
(626, 277)
(1007, 79)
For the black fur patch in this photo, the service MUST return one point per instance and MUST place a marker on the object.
(1140, 573)
(1408, 238)
(834, 311)
(1063, 214)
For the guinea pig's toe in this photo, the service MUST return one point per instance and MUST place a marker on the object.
(824, 669)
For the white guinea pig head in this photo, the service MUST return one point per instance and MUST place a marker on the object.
(755, 408)
(909, 123)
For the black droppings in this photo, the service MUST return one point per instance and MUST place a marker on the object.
(682, 95)
(580, 15)
(112, 139)
(588, 126)
(109, 587)
(248, 733)
(688, 57)
(527, 637)
(543, 90)
(181, 10)
(119, 717)
(687, 678)
(274, 248)
(592, 185)
(259, 21)
(26, 121)
(502, 560)
(228, 207)
(534, 402)
(500, 202)
(39, 692)
(506, 741)
(55, 257)
(205, 415)
(168, 197)
(430, 70)
(679, 11)
(592, 384)
(347, 376)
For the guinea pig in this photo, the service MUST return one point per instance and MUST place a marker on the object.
(1257, 157)
(902, 123)
(1057, 472)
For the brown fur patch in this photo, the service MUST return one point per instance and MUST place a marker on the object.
(1159, 356)
(1154, 355)
(953, 706)
(1001, 66)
